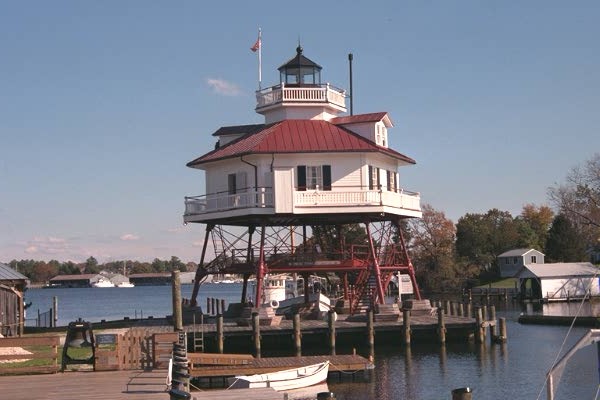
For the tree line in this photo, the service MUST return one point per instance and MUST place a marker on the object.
(42, 271)
(450, 256)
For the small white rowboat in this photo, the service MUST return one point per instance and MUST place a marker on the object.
(284, 380)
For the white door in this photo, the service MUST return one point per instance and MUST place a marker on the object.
(283, 189)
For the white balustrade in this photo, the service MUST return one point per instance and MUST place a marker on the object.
(318, 94)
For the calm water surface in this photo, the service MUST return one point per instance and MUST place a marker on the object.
(515, 370)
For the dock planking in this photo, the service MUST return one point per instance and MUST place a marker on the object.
(347, 363)
(236, 394)
(114, 385)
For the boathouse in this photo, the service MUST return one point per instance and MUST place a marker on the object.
(510, 262)
(74, 280)
(12, 307)
(311, 190)
(558, 281)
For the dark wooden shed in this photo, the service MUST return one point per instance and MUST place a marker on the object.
(12, 310)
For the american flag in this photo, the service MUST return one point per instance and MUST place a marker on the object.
(256, 45)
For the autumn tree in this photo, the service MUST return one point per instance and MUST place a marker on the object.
(539, 219)
(433, 251)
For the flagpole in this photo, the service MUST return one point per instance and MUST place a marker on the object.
(259, 59)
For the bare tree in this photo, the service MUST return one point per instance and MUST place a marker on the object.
(578, 198)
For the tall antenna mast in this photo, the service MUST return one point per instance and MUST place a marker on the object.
(350, 57)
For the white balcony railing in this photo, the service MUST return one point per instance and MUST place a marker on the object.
(301, 94)
(196, 205)
(315, 198)
(264, 198)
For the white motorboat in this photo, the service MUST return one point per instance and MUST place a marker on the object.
(284, 380)
(125, 284)
(103, 283)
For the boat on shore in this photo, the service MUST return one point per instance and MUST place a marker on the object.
(284, 380)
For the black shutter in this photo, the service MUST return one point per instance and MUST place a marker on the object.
(370, 177)
(389, 180)
(378, 178)
(301, 177)
(326, 177)
(231, 184)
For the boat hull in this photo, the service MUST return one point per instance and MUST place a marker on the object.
(285, 380)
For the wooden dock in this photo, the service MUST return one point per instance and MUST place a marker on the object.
(348, 363)
(114, 385)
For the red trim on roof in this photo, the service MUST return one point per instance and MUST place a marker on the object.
(298, 136)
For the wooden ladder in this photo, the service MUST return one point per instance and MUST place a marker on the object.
(198, 336)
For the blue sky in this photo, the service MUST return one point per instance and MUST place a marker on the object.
(103, 103)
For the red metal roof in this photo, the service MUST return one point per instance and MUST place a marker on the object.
(355, 119)
(298, 136)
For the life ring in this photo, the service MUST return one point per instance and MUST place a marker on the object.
(274, 303)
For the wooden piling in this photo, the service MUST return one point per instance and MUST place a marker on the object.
(55, 311)
(370, 333)
(479, 330)
(461, 309)
(208, 305)
(177, 313)
(220, 335)
(454, 308)
(469, 310)
(218, 306)
(447, 307)
(492, 319)
(212, 306)
(297, 335)
(222, 306)
(441, 327)
(406, 326)
(484, 318)
(256, 334)
(502, 337)
(331, 325)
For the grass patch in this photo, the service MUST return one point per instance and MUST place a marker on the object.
(508, 283)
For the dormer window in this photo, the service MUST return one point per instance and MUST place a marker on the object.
(381, 135)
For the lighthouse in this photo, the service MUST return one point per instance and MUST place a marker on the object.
(310, 190)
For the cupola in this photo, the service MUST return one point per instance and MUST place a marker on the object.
(300, 93)
(300, 71)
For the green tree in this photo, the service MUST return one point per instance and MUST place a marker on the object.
(159, 265)
(176, 264)
(564, 243)
(91, 266)
(480, 238)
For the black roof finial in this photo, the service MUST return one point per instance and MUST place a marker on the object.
(299, 48)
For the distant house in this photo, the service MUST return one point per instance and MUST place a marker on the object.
(511, 262)
(558, 281)
(12, 307)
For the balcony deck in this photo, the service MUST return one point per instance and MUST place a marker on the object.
(262, 202)
(280, 94)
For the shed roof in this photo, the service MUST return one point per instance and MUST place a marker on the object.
(74, 277)
(556, 270)
(297, 136)
(9, 274)
(517, 252)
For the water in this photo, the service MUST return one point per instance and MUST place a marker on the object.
(96, 304)
(515, 370)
